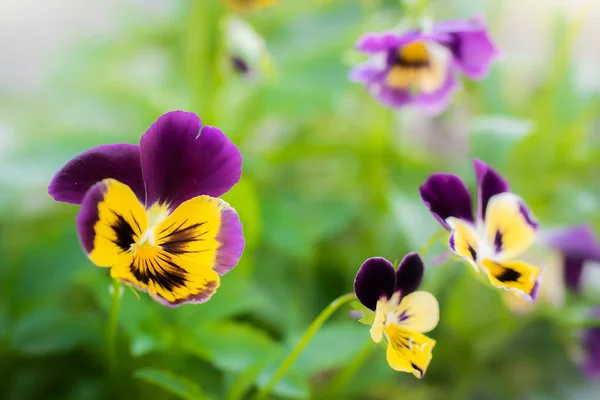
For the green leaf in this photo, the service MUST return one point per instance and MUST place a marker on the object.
(336, 344)
(47, 331)
(182, 387)
(243, 381)
(231, 346)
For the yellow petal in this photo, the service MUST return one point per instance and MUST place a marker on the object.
(376, 330)
(465, 240)
(401, 77)
(121, 222)
(518, 276)
(176, 265)
(419, 311)
(507, 229)
(408, 351)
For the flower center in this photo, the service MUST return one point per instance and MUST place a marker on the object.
(418, 65)
(157, 213)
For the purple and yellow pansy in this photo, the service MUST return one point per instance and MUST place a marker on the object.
(419, 67)
(402, 314)
(493, 239)
(151, 213)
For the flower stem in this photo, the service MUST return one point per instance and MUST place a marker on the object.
(111, 328)
(308, 334)
(432, 240)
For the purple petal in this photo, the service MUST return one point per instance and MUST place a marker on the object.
(178, 164)
(447, 196)
(436, 102)
(573, 269)
(577, 244)
(231, 239)
(489, 183)
(88, 215)
(375, 279)
(409, 273)
(117, 161)
(429, 103)
(470, 45)
(591, 344)
(368, 72)
(373, 43)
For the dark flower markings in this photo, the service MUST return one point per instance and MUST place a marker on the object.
(177, 240)
(498, 242)
(407, 63)
(508, 274)
(162, 271)
(473, 253)
(124, 232)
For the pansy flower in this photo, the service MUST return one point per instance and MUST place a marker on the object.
(496, 236)
(402, 314)
(420, 67)
(152, 213)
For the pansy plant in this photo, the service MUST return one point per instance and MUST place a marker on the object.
(151, 213)
(402, 314)
(493, 239)
(419, 67)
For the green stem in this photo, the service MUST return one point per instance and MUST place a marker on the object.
(308, 334)
(345, 375)
(111, 328)
(432, 240)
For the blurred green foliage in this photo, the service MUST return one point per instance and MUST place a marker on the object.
(330, 178)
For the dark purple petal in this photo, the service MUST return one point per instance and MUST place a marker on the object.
(489, 183)
(573, 269)
(591, 344)
(447, 196)
(117, 161)
(375, 279)
(409, 274)
(178, 164)
(88, 215)
(577, 244)
(231, 239)
(470, 45)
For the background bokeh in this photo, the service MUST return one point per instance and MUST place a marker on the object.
(330, 178)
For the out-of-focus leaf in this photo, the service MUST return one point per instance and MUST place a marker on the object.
(49, 331)
(235, 296)
(334, 345)
(231, 346)
(243, 381)
(182, 387)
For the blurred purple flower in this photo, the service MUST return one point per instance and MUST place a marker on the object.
(576, 244)
(419, 67)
